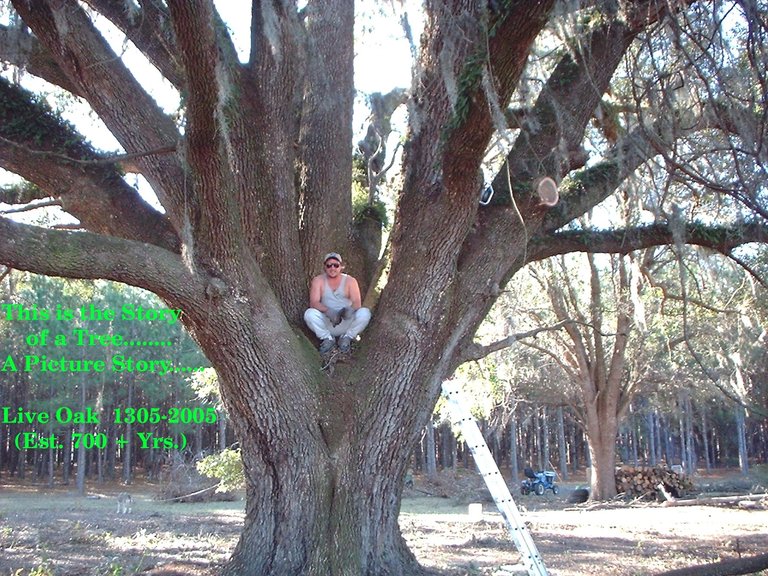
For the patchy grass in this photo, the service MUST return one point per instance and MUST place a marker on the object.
(58, 532)
(47, 532)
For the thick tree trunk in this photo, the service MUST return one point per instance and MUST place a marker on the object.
(602, 430)
(324, 467)
(341, 520)
(242, 228)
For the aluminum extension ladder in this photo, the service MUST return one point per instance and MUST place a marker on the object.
(530, 557)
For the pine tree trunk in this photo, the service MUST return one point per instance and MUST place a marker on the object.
(222, 431)
(690, 454)
(51, 459)
(448, 448)
(454, 450)
(705, 439)
(538, 439)
(514, 467)
(66, 456)
(681, 432)
(431, 463)
(561, 445)
(634, 438)
(666, 434)
(81, 455)
(651, 429)
(111, 456)
(741, 437)
(545, 438)
(21, 463)
(128, 436)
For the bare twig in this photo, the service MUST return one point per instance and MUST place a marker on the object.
(32, 206)
(476, 351)
(117, 158)
(752, 272)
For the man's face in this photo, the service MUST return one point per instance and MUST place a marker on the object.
(332, 267)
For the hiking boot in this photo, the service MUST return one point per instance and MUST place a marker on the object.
(327, 345)
(345, 344)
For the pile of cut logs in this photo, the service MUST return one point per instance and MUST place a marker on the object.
(643, 481)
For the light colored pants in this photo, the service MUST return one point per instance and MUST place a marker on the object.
(321, 325)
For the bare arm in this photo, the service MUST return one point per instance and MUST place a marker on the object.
(316, 294)
(354, 293)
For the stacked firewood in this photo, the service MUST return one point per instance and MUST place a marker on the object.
(644, 481)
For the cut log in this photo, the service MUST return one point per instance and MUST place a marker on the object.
(641, 482)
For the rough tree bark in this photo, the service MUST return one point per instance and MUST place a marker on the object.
(257, 186)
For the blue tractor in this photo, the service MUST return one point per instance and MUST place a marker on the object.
(538, 482)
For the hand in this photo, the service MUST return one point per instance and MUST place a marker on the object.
(334, 316)
(347, 313)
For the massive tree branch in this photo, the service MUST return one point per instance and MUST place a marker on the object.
(21, 49)
(326, 118)
(562, 111)
(93, 256)
(486, 80)
(148, 27)
(559, 117)
(33, 206)
(115, 95)
(46, 151)
(545, 146)
(265, 114)
(586, 188)
(436, 212)
(722, 239)
(215, 223)
(554, 131)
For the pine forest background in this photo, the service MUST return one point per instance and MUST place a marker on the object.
(694, 389)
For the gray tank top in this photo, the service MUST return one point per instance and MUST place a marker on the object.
(336, 299)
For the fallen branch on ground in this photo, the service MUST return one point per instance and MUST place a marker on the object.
(713, 501)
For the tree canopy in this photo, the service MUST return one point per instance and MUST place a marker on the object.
(254, 177)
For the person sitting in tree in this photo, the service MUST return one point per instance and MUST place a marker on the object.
(335, 307)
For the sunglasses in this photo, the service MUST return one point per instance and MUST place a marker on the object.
(333, 265)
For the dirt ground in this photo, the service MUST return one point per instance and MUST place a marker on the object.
(55, 532)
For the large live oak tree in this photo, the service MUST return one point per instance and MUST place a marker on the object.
(255, 187)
